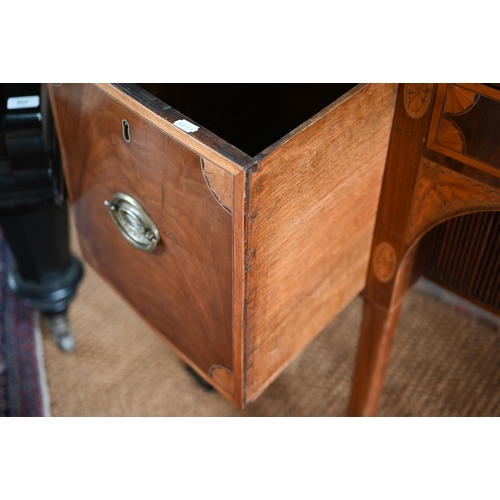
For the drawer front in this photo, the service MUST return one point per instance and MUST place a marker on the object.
(184, 287)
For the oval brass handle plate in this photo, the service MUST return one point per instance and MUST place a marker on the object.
(133, 222)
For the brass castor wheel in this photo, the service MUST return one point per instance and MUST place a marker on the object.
(61, 330)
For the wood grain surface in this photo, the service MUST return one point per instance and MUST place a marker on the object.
(184, 289)
(311, 214)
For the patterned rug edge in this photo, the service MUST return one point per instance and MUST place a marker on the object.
(23, 381)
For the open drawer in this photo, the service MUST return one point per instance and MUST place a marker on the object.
(237, 259)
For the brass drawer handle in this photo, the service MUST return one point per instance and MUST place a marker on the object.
(133, 222)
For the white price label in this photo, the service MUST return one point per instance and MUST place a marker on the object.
(186, 126)
(23, 102)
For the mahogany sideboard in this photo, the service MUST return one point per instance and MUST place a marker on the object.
(238, 220)
(237, 248)
(438, 215)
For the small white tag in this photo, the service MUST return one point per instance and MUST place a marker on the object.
(186, 126)
(23, 102)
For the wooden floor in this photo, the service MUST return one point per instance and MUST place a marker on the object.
(444, 363)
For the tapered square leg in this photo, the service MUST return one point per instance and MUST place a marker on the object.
(377, 334)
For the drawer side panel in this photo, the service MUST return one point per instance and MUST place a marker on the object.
(311, 216)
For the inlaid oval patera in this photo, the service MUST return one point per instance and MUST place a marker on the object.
(384, 262)
(417, 97)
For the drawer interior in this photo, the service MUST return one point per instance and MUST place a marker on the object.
(249, 116)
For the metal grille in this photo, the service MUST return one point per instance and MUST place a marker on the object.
(464, 256)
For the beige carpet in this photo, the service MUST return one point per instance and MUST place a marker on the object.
(443, 363)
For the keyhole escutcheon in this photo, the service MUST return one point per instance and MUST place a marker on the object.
(126, 130)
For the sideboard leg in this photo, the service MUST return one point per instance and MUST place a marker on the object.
(380, 318)
(377, 334)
